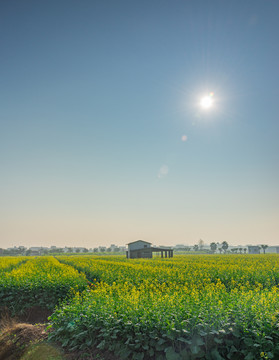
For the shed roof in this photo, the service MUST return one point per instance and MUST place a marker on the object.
(154, 249)
(133, 242)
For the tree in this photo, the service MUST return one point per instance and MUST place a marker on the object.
(201, 244)
(264, 247)
(43, 251)
(213, 247)
(240, 250)
(245, 250)
(225, 246)
(220, 249)
(196, 247)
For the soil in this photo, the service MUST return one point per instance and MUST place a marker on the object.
(17, 333)
(32, 315)
(35, 315)
(15, 337)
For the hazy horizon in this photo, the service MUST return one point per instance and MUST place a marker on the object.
(139, 120)
(204, 246)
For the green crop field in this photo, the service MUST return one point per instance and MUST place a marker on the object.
(186, 307)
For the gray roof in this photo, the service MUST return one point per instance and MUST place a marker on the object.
(138, 241)
(154, 249)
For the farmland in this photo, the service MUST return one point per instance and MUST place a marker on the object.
(186, 307)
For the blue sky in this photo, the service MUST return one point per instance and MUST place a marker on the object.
(96, 97)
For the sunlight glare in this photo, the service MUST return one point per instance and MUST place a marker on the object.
(206, 102)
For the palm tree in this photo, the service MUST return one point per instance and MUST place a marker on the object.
(240, 250)
(245, 250)
(213, 247)
(264, 247)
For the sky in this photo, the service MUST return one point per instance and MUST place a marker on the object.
(103, 137)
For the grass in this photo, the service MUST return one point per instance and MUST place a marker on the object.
(42, 351)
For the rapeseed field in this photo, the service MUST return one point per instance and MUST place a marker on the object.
(187, 307)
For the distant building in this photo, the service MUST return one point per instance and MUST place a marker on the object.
(272, 250)
(254, 250)
(122, 248)
(35, 250)
(113, 247)
(79, 249)
(143, 249)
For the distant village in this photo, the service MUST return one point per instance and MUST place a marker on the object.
(200, 247)
(42, 250)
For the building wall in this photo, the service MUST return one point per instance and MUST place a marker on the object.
(137, 245)
(140, 244)
(253, 250)
(137, 254)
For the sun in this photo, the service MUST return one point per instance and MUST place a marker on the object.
(206, 102)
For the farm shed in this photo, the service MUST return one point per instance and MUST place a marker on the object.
(143, 249)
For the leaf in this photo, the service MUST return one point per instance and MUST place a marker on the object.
(218, 341)
(195, 349)
(124, 353)
(184, 355)
(249, 356)
(270, 355)
(171, 354)
(138, 356)
(185, 340)
(198, 341)
(216, 355)
(102, 345)
(151, 352)
(161, 341)
(65, 342)
(233, 349)
(89, 342)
